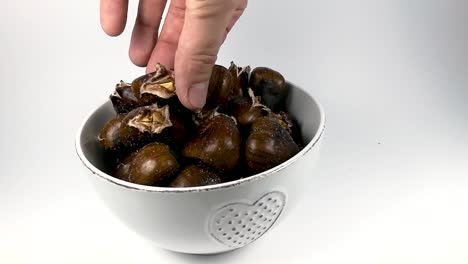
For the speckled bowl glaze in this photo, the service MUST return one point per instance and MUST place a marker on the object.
(207, 219)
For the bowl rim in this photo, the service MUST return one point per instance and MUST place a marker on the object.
(97, 172)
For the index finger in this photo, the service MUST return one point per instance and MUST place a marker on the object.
(201, 37)
(113, 16)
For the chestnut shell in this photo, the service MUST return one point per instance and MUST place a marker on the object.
(270, 86)
(243, 111)
(219, 88)
(268, 145)
(216, 143)
(109, 136)
(123, 99)
(240, 79)
(154, 164)
(195, 175)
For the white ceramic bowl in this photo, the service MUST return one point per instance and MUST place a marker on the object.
(207, 219)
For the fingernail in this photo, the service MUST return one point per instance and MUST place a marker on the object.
(197, 94)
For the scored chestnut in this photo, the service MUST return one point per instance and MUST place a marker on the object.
(123, 100)
(195, 175)
(240, 80)
(268, 145)
(157, 84)
(141, 124)
(270, 86)
(154, 164)
(246, 109)
(219, 88)
(216, 143)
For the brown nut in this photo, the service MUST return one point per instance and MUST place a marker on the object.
(154, 164)
(296, 134)
(268, 145)
(141, 124)
(246, 109)
(122, 169)
(219, 88)
(240, 80)
(182, 123)
(155, 86)
(216, 143)
(195, 175)
(284, 120)
(270, 86)
(109, 136)
(123, 100)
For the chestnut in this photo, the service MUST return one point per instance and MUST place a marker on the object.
(159, 84)
(284, 120)
(296, 134)
(181, 128)
(123, 100)
(141, 124)
(268, 145)
(195, 175)
(270, 86)
(216, 143)
(109, 136)
(240, 80)
(154, 164)
(246, 109)
(219, 88)
(121, 171)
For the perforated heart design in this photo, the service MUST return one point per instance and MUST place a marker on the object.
(238, 224)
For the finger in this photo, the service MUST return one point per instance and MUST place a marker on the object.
(113, 16)
(235, 16)
(145, 31)
(166, 45)
(202, 35)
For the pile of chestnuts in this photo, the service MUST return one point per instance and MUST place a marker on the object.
(242, 130)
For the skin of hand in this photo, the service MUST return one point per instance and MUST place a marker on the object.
(189, 41)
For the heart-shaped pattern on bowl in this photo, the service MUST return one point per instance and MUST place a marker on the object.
(238, 224)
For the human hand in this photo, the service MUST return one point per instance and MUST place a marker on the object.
(189, 42)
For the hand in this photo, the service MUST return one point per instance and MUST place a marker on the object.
(189, 42)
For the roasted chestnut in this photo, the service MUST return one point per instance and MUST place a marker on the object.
(284, 120)
(216, 143)
(154, 164)
(246, 109)
(123, 100)
(195, 175)
(141, 124)
(268, 145)
(270, 86)
(122, 169)
(109, 137)
(240, 80)
(159, 83)
(219, 88)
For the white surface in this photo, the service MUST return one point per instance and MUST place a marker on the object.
(392, 181)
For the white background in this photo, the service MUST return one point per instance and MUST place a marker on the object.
(392, 182)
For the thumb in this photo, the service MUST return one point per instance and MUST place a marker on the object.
(205, 27)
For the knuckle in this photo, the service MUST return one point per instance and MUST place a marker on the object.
(200, 59)
(242, 5)
(177, 11)
(198, 66)
(210, 8)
